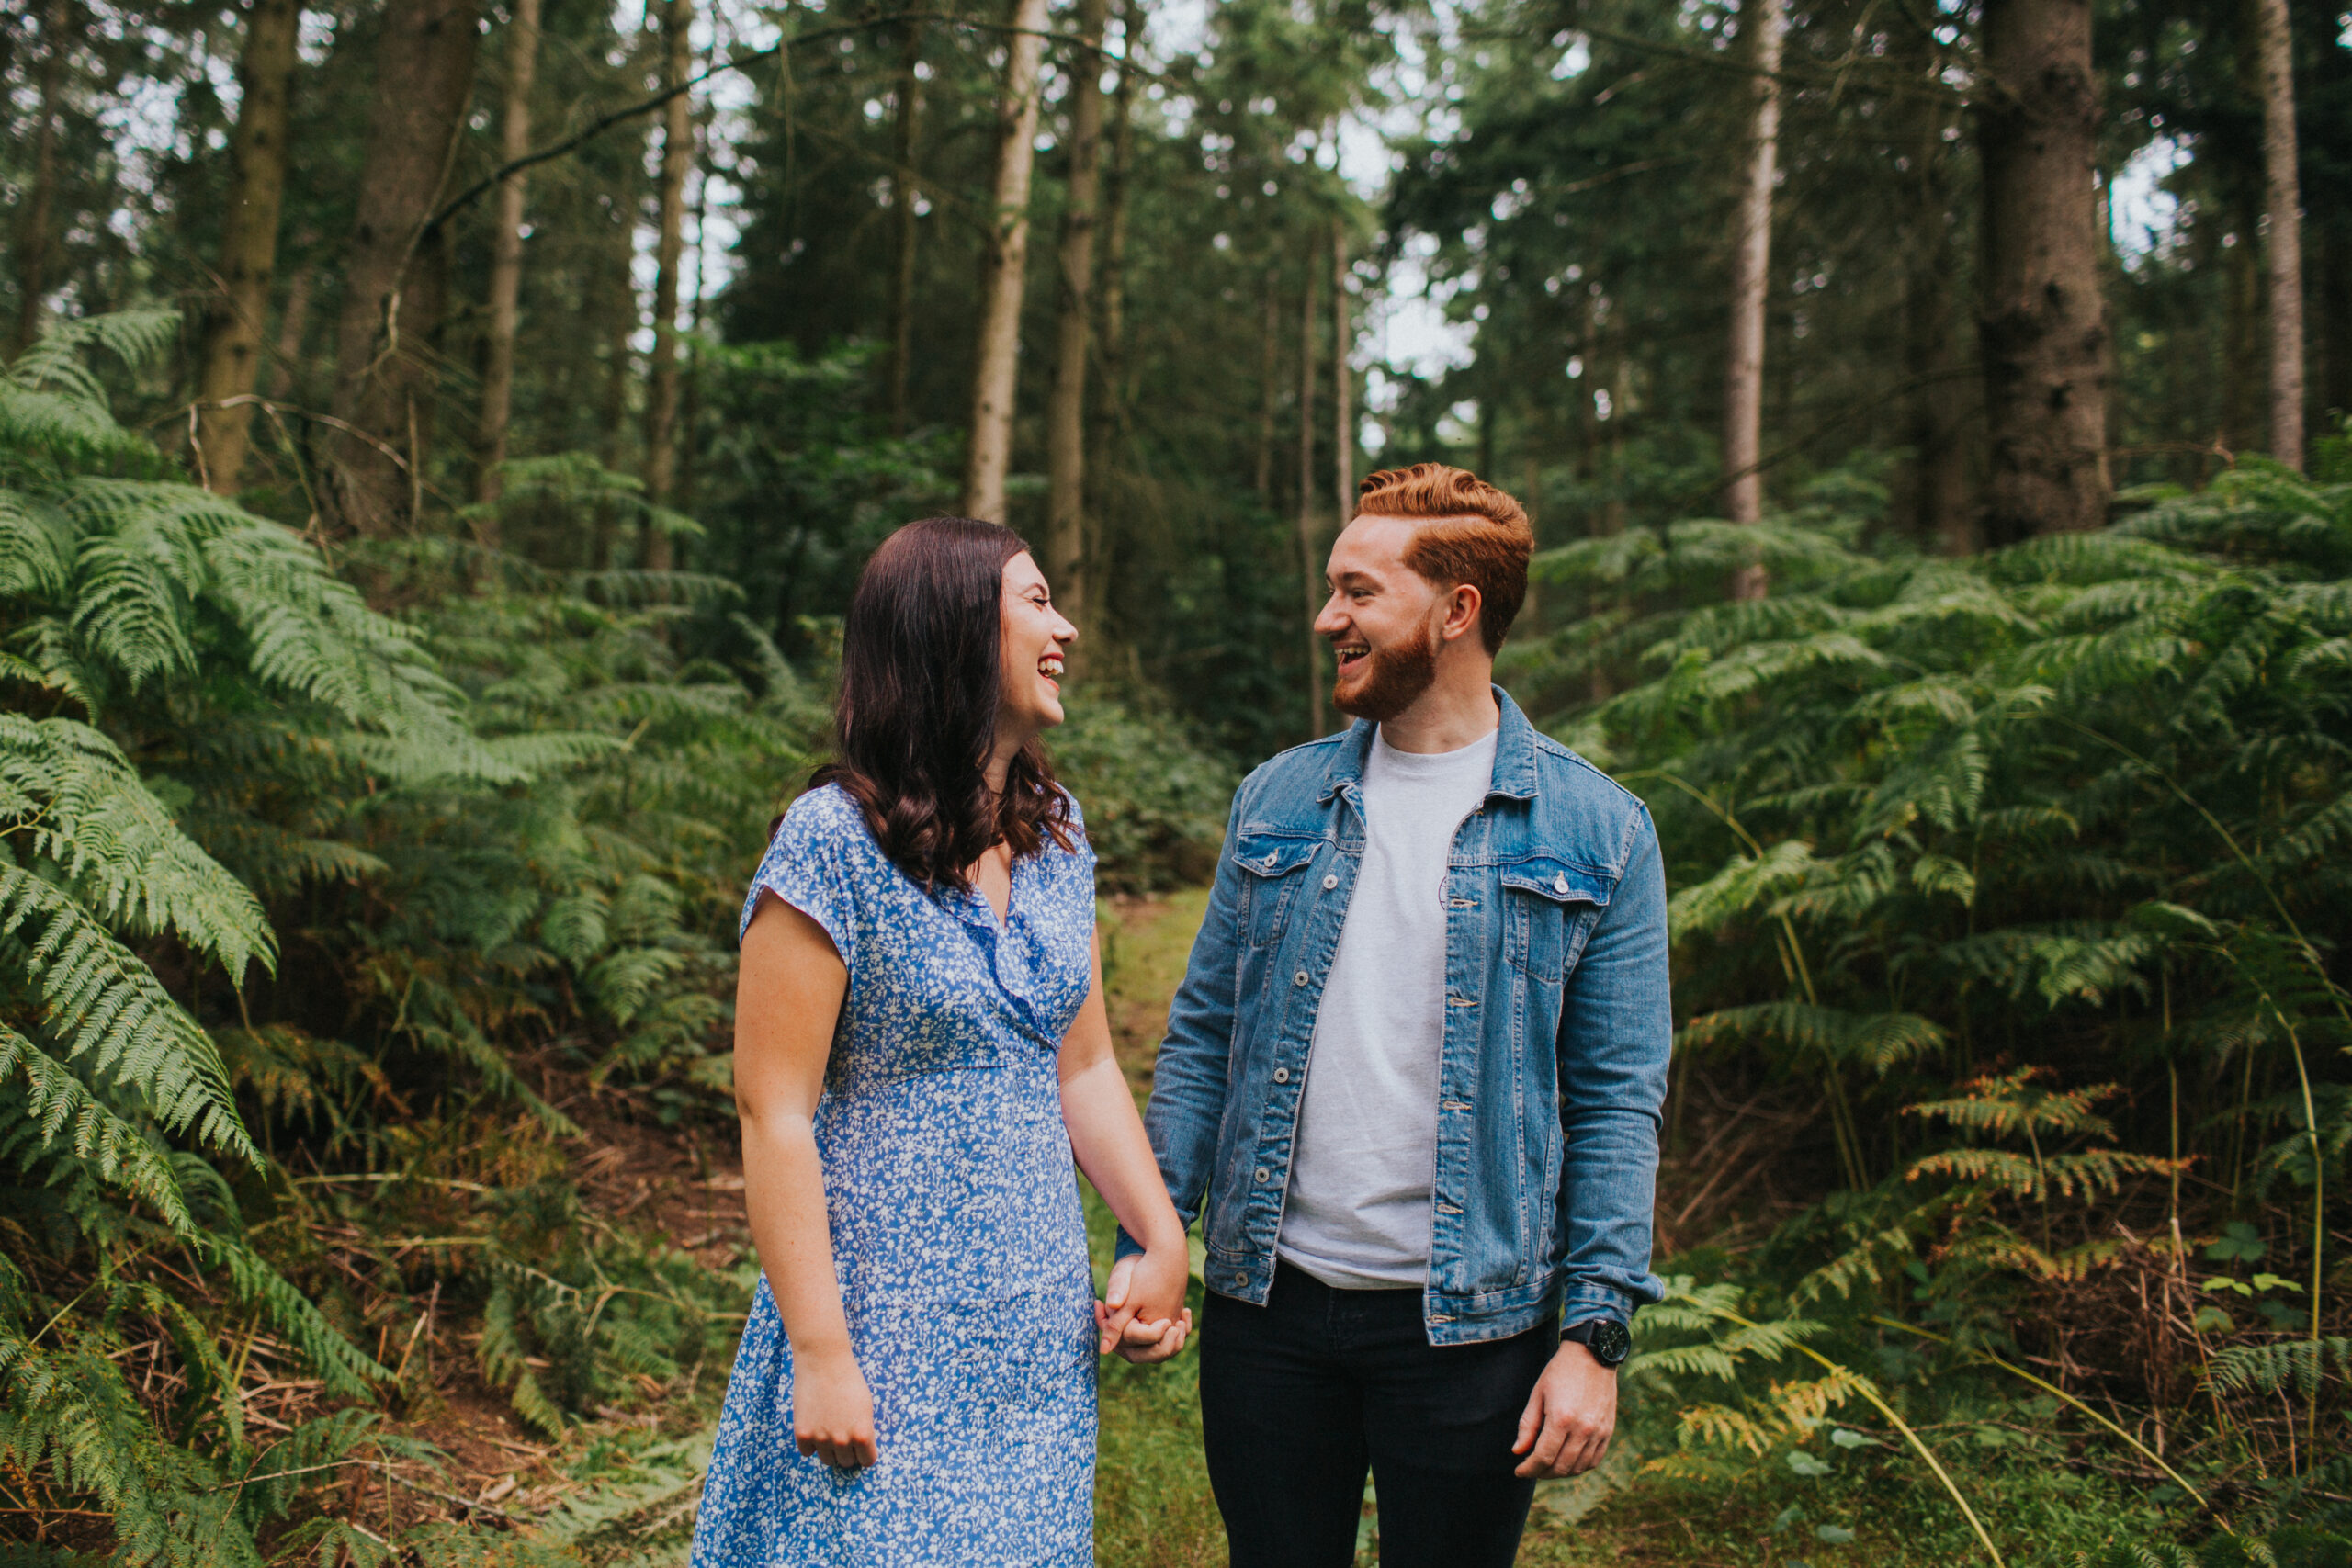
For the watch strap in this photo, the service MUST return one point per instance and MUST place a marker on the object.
(1608, 1340)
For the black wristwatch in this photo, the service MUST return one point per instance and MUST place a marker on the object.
(1608, 1340)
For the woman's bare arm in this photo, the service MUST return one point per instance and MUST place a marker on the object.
(1107, 1136)
(787, 1002)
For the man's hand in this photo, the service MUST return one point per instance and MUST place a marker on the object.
(1126, 1325)
(1569, 1418)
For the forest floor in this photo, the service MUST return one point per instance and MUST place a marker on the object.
(619, 1490)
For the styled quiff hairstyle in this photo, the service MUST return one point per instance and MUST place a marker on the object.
(1470, 533)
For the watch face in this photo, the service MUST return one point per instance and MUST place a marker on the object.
(1610, 1343)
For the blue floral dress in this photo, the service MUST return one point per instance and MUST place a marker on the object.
(958, 1239)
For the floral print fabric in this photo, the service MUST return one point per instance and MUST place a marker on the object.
(958, 1239)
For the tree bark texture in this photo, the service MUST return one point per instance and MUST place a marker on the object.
(669, 251)
(1111, 338)
(293, 326)
(2335, 332)
(506, 266)
(1110, 395)
(904, 189)
(33, 237)
(996, 376)
(2239, 420)
(1309, 558)
(1934, 497)
(423, 79)
(2042, 326)
(1067, 567)
(1343, 410)
(1764, 20)
(2283, 199)
(1269, 333)
(230, 360)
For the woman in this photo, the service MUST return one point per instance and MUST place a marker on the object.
(921, 1045)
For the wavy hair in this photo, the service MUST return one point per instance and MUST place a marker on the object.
(920, 685)
(1470, 533)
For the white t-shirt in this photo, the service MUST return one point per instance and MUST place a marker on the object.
(1365, 1157)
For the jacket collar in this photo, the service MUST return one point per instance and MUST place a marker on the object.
(1514, 775)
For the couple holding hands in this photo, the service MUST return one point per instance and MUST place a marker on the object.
(1411, 1089)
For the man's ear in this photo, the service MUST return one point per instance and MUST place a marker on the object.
(1463, 603)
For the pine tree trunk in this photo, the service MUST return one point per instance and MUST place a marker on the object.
(423, 81)
(2043, 324)
(230, 360)
(1935, 491)
(661, 377)
(2335, 332)
(1309, 558)
(505, 267)
(1940, 517)
(904, 190)
(1111, 328)
(33, 237)
(1620, 403)
(1269, 333)
(2241, 340)
(1531, 496)
(682, 483)
(1343, 412)
(2282, 196)
(293, 327)
(1111, 339)
(1750, 285)
(1066, 565)
(996, 376)
(616, 316)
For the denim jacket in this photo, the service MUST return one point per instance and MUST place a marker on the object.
(1557, 1029)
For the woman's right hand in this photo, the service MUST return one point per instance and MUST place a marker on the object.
(832, 1412)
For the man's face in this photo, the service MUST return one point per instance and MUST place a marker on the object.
(1383, 620)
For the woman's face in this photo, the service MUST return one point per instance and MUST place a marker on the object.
(1034, 639)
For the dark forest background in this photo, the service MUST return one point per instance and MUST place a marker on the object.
(438, 440)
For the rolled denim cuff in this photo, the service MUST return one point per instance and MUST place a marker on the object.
(1583, 1303)
(1127, 1246)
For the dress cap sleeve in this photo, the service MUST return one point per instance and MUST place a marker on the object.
(1080, 844)
(813, 864)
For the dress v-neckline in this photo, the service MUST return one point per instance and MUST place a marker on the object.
(999, 920)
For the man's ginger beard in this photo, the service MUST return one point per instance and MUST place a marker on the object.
(1393, 678)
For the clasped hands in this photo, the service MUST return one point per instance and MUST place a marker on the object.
(1142, 1315)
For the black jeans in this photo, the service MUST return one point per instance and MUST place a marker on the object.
(1300, 1395)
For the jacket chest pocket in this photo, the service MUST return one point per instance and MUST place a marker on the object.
(1273, 871)
(1550, 908)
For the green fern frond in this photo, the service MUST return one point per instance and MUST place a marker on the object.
(2279, 1365)
(109, 1008)
(57, 1105)
(85, 808)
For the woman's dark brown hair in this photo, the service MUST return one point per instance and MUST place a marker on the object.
(920, 685)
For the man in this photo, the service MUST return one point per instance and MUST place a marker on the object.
(1414, 1074)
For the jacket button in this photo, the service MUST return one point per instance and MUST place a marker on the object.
(1329, 881)
(1299, 978)
(1265, 1175)
(1281, 1075)
(1559, 884)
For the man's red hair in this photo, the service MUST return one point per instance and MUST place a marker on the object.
(1470, 533)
